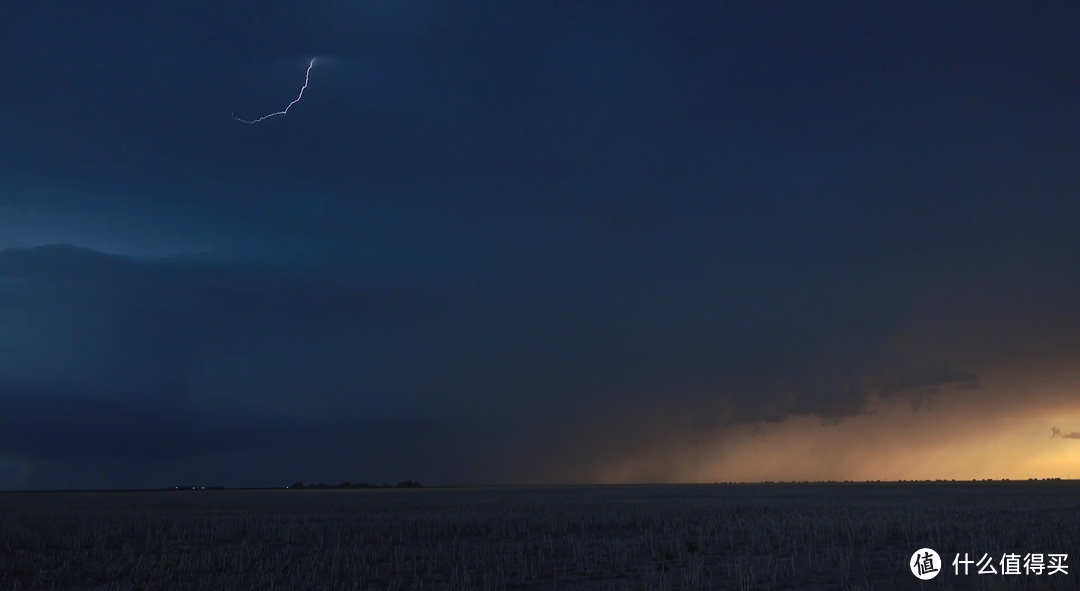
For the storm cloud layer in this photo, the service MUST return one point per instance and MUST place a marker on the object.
(502, 244)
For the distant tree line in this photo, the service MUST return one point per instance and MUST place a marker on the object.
(402, 484)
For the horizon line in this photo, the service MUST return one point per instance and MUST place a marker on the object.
(217, 488)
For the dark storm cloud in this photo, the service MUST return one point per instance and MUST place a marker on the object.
(140, 386)
(75, 442)
(47, 425)
(64, 427)
(516, 243)
(532, 376)
(163, 318)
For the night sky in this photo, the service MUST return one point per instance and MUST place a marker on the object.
(538, 242)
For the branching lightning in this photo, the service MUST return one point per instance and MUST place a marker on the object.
(307, 76)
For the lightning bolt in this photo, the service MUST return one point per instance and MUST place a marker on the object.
(307, 77)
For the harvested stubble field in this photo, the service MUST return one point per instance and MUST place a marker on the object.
(737, 537)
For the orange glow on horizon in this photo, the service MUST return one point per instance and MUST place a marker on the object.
(989, 433)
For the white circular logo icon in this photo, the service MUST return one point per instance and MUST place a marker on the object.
(925, 564)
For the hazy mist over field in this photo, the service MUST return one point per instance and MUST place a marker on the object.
(557, 242)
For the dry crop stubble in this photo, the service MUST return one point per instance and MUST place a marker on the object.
(738, 537)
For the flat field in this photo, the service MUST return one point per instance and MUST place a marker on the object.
(739, 537)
